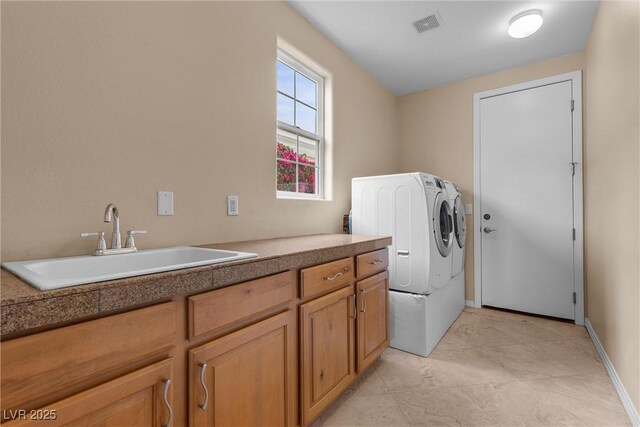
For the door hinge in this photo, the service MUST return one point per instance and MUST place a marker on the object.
(573, 105)
(575, 298)
(574, 234)
(573, 168)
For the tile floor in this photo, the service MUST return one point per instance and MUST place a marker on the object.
(492, 368)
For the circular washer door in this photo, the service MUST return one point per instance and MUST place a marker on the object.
(443, 225)
(459, 222)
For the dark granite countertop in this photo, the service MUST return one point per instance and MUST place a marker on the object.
(24, 308)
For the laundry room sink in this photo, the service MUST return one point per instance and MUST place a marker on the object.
(47, 274)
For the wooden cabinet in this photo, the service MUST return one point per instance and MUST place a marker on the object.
(320, 279)
(327, 334)
(373, 318)
(45, 367)
(141, 398)
(214, 311)
(372, 262)
(262, 352)
(246, 378)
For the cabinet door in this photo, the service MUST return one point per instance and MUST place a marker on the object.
(373, 318)
(246, 378)
(141, 398)
(327, 350)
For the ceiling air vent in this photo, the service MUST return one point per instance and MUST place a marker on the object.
(431, 22)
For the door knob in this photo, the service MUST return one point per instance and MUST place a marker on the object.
(489, 230)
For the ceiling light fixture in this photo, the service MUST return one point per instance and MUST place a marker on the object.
(526, 23)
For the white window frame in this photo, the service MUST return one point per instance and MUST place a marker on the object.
(301, 68)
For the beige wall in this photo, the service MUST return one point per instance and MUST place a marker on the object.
(111, 102)
(611, 187)
(435, 129)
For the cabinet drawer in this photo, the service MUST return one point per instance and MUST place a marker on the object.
(325, 277)
(52, 364)
(215, 310)
(372, 262)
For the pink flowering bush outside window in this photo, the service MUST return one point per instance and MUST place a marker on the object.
(287, 160)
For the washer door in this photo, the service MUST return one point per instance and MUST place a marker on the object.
(443, 225)
(459, 222)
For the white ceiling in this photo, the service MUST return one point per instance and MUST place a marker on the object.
(472, 41)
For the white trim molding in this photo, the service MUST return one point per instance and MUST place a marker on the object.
(469, 303)
(624, 397)
(578, 254)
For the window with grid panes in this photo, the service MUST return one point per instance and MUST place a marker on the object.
(299, 145)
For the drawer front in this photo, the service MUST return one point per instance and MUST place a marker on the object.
(372, 262)
(52, 364)
(325, 277)
(220, 309)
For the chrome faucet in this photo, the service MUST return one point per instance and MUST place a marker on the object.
(111, 214)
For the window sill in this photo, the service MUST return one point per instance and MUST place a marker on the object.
(313, 198)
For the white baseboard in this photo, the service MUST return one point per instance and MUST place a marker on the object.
(470, 303)
(627, 404)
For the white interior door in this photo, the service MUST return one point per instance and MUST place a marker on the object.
(526, 187)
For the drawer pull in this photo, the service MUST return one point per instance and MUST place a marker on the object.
(376, 261)
(338, 274)
(165, 398)
(203, 369)
(364, 300)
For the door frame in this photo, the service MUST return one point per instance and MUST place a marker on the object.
(575, 78)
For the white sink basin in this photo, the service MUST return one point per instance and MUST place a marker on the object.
(46, 274)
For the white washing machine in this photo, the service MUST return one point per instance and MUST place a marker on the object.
(459, 228)
(414, 209)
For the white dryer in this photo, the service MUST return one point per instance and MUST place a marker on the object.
(459, 228)
(414, 209)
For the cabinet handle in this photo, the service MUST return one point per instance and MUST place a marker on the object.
(165, 398)
(355, 307)
(203, 369)
(364, 300)
(338, 274)
(376, 261)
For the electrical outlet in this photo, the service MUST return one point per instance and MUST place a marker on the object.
(232, 206)
(165, 203)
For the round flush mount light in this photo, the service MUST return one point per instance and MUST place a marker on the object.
(526, 23)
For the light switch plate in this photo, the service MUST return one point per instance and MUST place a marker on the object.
(165, 203)
(468, 209)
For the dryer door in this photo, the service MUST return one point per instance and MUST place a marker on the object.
(443, 225)
(460, 225)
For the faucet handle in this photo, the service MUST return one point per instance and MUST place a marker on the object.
(130, 241)
(102, 244)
